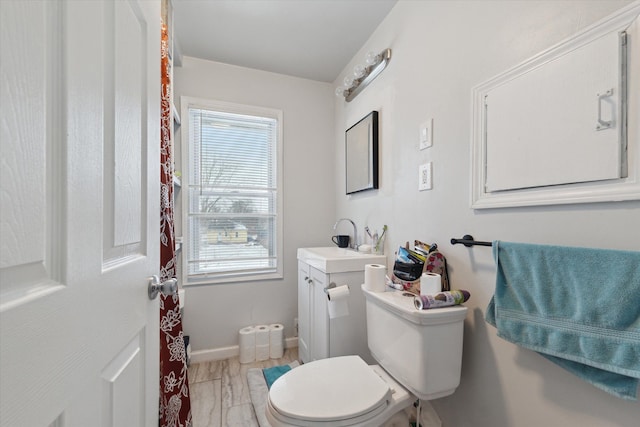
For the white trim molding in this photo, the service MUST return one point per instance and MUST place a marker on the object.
(222, 353)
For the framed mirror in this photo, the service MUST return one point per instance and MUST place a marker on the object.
(361, 159)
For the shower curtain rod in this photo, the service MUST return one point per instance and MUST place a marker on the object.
(468, 241)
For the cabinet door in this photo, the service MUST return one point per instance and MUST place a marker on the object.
(319, 316)
(348, 334)
(544, 126)
(304, 312)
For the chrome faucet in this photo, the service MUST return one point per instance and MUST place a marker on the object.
(354, 243)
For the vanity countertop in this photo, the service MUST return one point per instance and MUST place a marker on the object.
(338, 260)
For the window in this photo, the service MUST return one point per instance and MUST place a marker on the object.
(234, 202)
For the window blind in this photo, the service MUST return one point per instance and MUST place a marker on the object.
(233, 194)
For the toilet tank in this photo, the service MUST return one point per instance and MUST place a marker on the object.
(421, 349)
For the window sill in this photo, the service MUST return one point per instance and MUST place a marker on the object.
(232, 278)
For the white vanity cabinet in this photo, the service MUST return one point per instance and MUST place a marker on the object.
(319, 336)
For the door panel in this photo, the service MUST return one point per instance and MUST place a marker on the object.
(80, 168)
(124, 120)
(119, 377)
(29, 267)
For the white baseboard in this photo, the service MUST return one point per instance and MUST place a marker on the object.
(222, 353)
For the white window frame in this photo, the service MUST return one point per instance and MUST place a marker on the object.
(240, 276)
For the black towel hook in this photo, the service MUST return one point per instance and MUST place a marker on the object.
(468, 241)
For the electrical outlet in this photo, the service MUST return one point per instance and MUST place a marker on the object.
(426, 134)
(425, 177)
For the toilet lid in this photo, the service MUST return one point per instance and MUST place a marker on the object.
(332, 389)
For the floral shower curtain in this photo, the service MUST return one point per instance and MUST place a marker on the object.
(175, 406)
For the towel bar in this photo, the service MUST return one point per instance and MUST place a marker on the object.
(468, 241)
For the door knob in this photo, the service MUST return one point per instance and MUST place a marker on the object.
(168, 287)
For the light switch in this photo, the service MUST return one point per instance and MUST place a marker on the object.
(425, 181)
(426, 134)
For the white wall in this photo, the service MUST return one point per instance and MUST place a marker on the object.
(213, 314)
(441, 49)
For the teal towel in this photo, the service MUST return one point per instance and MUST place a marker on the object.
(578, 307)
(273, 373)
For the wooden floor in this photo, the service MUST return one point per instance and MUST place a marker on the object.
(220, 394)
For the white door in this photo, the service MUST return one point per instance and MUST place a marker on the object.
(79, 207)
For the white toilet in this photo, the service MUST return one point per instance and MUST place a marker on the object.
(420, 356)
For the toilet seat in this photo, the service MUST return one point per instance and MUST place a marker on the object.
(336, 392)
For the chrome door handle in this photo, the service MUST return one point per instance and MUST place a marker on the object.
(168, 287)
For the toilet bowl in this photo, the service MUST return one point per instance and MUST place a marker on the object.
(420, 356)
(337, 392)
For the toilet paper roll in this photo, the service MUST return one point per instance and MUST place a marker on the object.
(338, 301)
(276, 341)
(262, 335)
(430, 284)
(374, 277)
(247, 344)
(262, 352)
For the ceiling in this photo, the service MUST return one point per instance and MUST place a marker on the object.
(312, 39)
